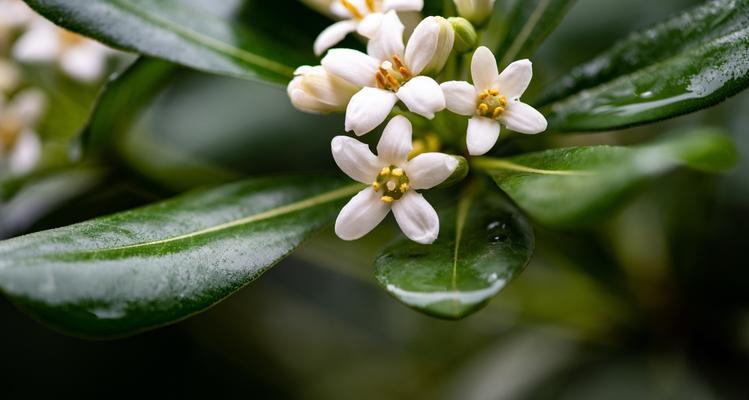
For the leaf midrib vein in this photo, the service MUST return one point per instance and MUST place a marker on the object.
(211, 43)
(526, 31)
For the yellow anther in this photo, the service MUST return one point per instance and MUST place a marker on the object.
(371, 5)
(404, 187)
(493, 92)
(387, 199)
(376, 186)
(483, 108)
(497, 112)
(397, 172)
(352, 9)
(385, 171)
(483, 95)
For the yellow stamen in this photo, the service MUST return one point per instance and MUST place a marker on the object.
(397, 172)
(376, 186)
(352, 9)
(371, 5)
(385, 171)
(497, 112)
(404, 187)
(483, 108)
(387, 199)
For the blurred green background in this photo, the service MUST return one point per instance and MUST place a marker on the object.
(650, 304)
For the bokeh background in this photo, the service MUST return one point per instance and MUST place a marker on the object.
(651, 303)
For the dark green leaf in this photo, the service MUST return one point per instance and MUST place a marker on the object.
(264, 40)
(183, 128)
(484, 243)
(572, 186)
(685, 64)
(516, 33)
(155, 265)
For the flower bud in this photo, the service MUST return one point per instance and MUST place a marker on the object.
(317, 91)
(433, 29)
(476, 11)
(465, 34)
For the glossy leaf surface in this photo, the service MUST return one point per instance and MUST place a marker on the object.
(247, 39)
(484, 243)
(690, 62)
(152, 266)
(572, 186)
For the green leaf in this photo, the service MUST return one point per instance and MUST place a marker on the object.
(256, 40)
(148, 267)
(573, 186)
(516, 33)
(484, 243)
(685, 64)
(183, 128)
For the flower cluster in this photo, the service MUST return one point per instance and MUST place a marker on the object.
(27, 38)
(370, 87)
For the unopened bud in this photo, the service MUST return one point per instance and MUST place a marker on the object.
(476, 11)
(430, 30)
(315, 90)
(465, 34)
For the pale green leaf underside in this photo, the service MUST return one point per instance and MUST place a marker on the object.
(572, 186)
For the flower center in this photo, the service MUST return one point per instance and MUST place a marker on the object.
(393, 182)
(491, 104)
(355, 12)
(392, 76)
(10, 130)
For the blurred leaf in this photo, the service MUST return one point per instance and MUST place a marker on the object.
(685, 64)
(185, 129)
(484, 243)
(516, 33)
(572, 186)
(193, 33)
(25, 200)
(152, 266)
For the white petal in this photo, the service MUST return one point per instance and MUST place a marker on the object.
(29, 105)
(460, 97)
(41, 43)
(422, 45)
(368, 108)
(422, 95)
(482, 135)
(403, 5)
(370, 26)
(417, 218)
(513, 81)
(351, 65)
(355, 159)
(523, 118)
(333, 34)
(428, 170)
(395, 142)
(484, 69)
(26, 153)
(86, 62)
(362, 214)
(340, 11)
(389, 39)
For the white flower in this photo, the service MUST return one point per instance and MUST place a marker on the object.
(315, 90)
(493, 98)
(393, 181)
(389, 72)
(14, 14)
(20, 147)
(81, 58)
(362, 16)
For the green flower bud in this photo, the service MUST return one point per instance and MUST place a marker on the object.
(465, 34)
(476, 11)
